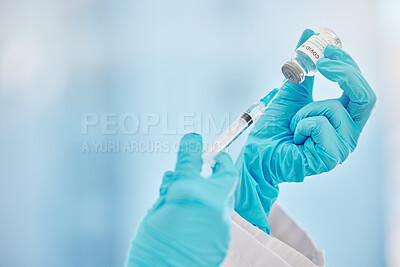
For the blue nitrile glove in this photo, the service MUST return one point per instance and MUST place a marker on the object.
(297, 137)
(189, 225)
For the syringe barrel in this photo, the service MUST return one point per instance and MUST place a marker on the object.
(256, 110)
(232, 132)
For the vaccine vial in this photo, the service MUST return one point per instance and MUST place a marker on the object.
(304, 59)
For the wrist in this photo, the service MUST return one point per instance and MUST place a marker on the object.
(255, 194)
(153, 248)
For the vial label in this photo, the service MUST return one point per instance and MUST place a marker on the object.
(314, 47)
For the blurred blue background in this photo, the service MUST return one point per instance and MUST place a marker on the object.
(62, 203)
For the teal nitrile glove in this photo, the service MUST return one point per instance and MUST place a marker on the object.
(297, 137)
(189, 225)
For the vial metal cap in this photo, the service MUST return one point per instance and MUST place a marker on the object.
(293, 72)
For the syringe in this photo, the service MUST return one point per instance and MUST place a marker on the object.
(251, 115)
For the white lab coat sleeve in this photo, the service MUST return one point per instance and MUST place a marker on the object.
(284, 228)
(288, 244)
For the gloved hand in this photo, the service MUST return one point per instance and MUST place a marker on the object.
(189, 225)
(297, 137)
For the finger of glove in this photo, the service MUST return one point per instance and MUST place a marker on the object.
(335, 53)
(320, 140)
(166, 181)
(337, 116)
(307, 33)
(308, 81)
(300, 94)
(189, 155)
(361, 97)
(276, 118)
(303, 90)
(224, 172)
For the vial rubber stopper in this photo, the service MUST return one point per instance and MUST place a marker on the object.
(293, 72)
